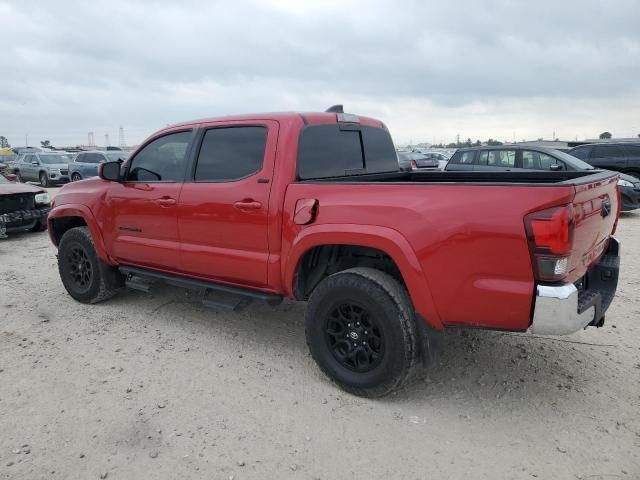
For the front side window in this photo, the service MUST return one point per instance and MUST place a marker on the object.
(162, 160)
(467, 157)
(539, 161)
(582, 153)
(231, 153)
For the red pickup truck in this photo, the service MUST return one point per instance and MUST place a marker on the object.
(312, 207)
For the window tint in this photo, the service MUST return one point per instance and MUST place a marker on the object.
(92, 158)
(631, 150)
(231, 153)
(161, 160)
(582, 153)
(606, 151)
(326, 151)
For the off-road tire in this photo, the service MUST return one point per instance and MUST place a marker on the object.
(105, 280)
(386, 301)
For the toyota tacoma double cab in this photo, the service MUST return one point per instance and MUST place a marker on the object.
(313, 207)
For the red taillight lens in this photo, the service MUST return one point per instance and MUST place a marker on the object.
(414, 165)
(550, 235)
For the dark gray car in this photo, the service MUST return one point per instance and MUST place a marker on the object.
(43, 167)
(85, 164)
(513, 158)
(619, 156)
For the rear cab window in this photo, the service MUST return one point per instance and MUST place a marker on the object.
(337, 150)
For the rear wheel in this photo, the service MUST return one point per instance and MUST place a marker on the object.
(44, 180)
(633, 173)
(87, 278)
(361, 331)
(76, 177)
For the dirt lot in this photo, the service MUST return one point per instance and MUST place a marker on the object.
(152, 386)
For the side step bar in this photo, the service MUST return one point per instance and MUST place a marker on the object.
(210, 294)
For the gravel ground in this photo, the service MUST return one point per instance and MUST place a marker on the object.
(154, 386)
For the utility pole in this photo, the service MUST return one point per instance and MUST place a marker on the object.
(121, 142)
(107, 143)
(26, 139)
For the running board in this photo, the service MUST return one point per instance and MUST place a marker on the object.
(211, 294)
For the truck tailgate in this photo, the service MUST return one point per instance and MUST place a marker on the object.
(595, 214)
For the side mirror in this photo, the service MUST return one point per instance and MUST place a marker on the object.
(556, 167)
(109, 171)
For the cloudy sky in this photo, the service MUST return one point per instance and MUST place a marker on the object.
(429, 69)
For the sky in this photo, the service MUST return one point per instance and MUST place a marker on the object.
(431, 70)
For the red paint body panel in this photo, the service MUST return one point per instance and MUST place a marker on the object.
(461, 247)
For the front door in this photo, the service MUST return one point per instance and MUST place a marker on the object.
(223, 211)
(142, 229)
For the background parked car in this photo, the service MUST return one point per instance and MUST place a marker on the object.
(442, 156)
(622, 157)
(416, 161)
(507, 158)
(43, 167)
(85, 164)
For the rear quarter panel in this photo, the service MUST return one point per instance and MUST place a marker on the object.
(473, 264)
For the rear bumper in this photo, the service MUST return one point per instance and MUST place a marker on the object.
(565, 309)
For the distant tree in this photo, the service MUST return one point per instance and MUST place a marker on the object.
(493, 142)
(45, 143)
(540, 139)
(478, 143)
(639, 135)
(452, 145)
(4, 143)
(605, 135)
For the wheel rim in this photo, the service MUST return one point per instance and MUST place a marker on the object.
(354, 337)
(43, 180)
(75, 177)
(79, 268)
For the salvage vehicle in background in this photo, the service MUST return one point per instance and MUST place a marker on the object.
(85, 164)
(312, 207)
(46, 168)
(22, 207)
(619, 156)
(408, 161)
(513, 158)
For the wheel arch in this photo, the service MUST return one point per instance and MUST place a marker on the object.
(390, 246)
(64, 217)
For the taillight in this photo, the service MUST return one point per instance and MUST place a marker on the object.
(414, 165)
(550, 235)
(618, 210)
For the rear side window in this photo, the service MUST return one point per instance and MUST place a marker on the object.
(463, 157)
(327, 151)
(498, 158)
(606, 151)
(231, 153)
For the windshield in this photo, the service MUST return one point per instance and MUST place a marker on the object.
(53, 158)
(113, 156)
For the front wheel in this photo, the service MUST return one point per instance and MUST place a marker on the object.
(361, 331)
(76, 177)
(87, 278)
(44, 180)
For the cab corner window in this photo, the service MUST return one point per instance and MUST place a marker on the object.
(162, 160)
(231, 153)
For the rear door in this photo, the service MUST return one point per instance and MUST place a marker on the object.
(223, 210)
(610, 157)
(142, 229)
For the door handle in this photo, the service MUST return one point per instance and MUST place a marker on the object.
(166, 201)
(248, 205)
